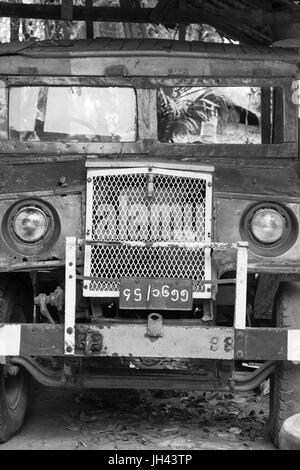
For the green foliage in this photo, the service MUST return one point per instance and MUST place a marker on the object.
(182, 110)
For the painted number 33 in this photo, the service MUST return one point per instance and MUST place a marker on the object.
(164, 291)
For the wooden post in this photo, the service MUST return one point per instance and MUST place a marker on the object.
(182, 27)
(67, 10)
(89, 24)
(278, 116)
(265, 115)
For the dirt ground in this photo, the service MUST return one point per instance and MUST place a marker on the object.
(131, 420)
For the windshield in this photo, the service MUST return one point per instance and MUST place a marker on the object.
(42, 113)
(213, 115)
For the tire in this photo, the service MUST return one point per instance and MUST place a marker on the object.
(285, 383)
(289, 437)
(13, 389)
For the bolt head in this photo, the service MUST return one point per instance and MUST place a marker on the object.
(69, 330)
(69, 349)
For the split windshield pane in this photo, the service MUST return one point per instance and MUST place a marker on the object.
(73, 113)
(217, 115)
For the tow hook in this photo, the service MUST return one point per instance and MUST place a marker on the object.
(155, 325)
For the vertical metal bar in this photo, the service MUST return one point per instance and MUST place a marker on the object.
(89, 228)
(70, 296)
(208, 230)
(241, 286)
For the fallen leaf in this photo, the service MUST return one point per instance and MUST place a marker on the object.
(234, 430)
(142, 440)
(84, 418)
(240, 400)
(67, 419)
(83, 444)
(73, 428)
(252, 433)
(169, 430)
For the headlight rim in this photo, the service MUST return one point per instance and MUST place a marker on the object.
(45, 242)
(278, 247)
(42, 238)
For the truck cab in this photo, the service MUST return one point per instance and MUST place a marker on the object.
(149, 206)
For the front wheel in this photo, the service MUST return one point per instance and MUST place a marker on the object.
(285, 383)
(14, 387)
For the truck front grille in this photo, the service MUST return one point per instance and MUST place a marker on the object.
(135, 215)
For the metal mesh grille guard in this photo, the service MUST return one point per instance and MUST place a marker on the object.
(128, 211)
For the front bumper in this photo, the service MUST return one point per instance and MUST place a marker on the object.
(129, 338)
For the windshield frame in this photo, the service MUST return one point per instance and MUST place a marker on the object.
(147, 141)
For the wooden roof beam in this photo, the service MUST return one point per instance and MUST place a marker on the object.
(143, 15)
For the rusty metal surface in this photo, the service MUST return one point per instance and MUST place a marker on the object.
(189, 340)
(261, 344)
(231, 209)
(145, 82)
(177, 341)
(69, 209)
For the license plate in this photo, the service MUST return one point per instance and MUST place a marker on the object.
(159, 294)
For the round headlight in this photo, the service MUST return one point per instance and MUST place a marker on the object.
(268, 226)
(30, 224)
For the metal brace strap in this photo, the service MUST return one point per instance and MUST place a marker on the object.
(203, 282)
(70, 296)
(241, 286)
